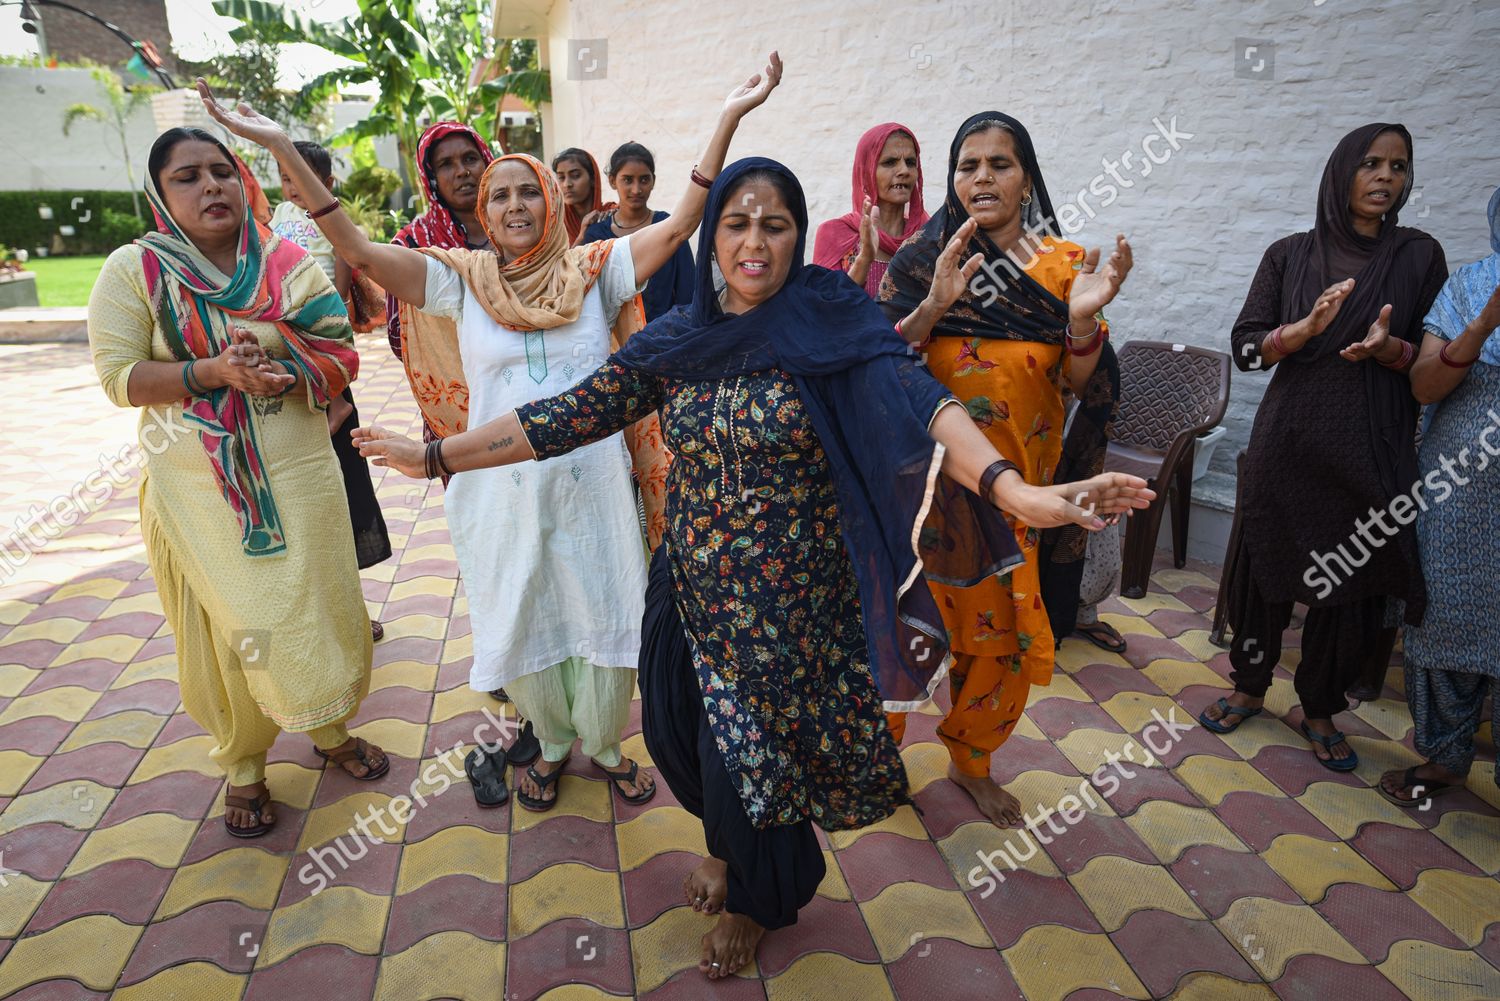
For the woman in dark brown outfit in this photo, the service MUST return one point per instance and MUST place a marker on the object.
(1337, 311)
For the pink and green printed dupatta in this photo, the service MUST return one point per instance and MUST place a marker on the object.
(274, 281)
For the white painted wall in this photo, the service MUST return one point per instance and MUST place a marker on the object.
(1088, 79)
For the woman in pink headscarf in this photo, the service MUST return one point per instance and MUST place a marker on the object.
(887, 207)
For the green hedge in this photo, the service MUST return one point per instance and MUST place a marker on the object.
(101, 220)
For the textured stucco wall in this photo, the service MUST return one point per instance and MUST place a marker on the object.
(1089, 79)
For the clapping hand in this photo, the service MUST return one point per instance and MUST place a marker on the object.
(1375, 341)
(1093, 287)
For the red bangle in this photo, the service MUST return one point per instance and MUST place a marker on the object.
(324, 210)
(1407, 353)
(1277, 344)
(1098, 337)
(700, 180)
(1443, 357)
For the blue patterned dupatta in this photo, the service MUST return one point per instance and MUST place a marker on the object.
(871, 403)
(1467, 290)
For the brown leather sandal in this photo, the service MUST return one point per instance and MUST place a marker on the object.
(361, 751)
(254, 806)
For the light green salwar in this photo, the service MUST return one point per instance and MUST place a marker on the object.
(576, 700)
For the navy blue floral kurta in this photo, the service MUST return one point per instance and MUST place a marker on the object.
(764, 585)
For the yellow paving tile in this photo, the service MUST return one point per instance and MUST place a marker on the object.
(119, 648)
(1076, 654)
(337, 820)
(576, 797)
(1481, 782)
(187, 755)
(1465, 904)
(903, 822)
(94, 587)
(833, 886)
(200, 981)
(133, 728)
(59, 630)
(433, 552)
(1472, 836)
(668, 945)
(1130, 625)
(290, 783)
(1196, 643)
(443, 587)
(427, 970)
(158, 838)
(567, 889)
(1265, 731)
(634, 748)
(1388, 716)
(406, 673)
(1049, 962)
(1377, 756)
(663, 829)
(1213, 778)
(1310, 866)
(1154, 601)
(1170, 829)
(432, 627)
(1026, 727)
(903, 913)
(1213, 987)
(396, 736)
(12, 612)
(1038, 788)
(20, 898)
(1116, 887)
(926, 763)
(343, 914)
(457, 649)
(15, 768)
(1134, 711)
(1464, 976)
(459, 701)
(577, 992)
(1088, 749)
(1008, 850)
(814, 976)
(163, 668)
(14, 678)
(249, 875)
(69, 702)
(1172, 579)
(92, 950)
(1172, 676)
(1060, 687)
(1269, 933)
(1344, 809)
(454, 850)
(77, 804)
(146, 601)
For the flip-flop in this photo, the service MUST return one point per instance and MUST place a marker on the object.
(1409, 780)
(1332, 764)
(542, 782)
(525, 748)
(628, 776)
(1217, 725)
(254, 805)
(499, 695)
(1091, 633)
(486, 774)
(361, 751)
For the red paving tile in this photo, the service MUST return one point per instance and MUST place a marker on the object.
(223, 932)
(571, 950)
(323, 971)
(944, 970)
(876, 861)
(1194, 945)
(1402, 853)
(1025, 900)
(448, 903)
(1216, 877)
(562, 839)
(822, 926)
(1318, 978)
(1371, 920)
(128, 889)
(1258, 819)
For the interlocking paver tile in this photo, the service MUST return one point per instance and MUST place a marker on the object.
(1114, 888)
(91, 950)
(809, 976)
(1371, 920)
(1269, 933)
(190, 980)
(1310, 866)
(323, 971)
(1318, 978)
(1163, 947)
(1465, 904)
(1093, 962)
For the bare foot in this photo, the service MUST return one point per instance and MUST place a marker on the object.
(238, 817)
(706, 886)
(1003, 809)
(543, 768)
(1325, 728)
(1238, 700)
(730, 946)
(1434, 777)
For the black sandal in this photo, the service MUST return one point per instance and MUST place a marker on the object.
(525, 748)
(1097, 633)
(1409, 780)
(1331, 763)
(534, 804)
(627, 776)
(361, 751)
(486, 772)
(499, 695)
(254, 805)
(377, 631)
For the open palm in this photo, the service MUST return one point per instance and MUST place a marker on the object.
(753, 92)
(245, 122)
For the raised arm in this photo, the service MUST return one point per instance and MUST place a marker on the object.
(653, 246)
(949, 279)
(400, 270)
(612, 398)
(1444, 363)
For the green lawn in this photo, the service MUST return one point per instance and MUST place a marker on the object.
(65, 281)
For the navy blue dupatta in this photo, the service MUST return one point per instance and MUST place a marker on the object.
(870, 402)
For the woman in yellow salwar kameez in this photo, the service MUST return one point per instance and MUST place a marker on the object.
(1010, 343)
(232, 342)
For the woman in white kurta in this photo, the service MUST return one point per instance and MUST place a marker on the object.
(551, 553)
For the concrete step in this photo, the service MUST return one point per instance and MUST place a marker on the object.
(40, 325)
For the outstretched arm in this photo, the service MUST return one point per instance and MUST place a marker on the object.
(400, 270)
(653, 246)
